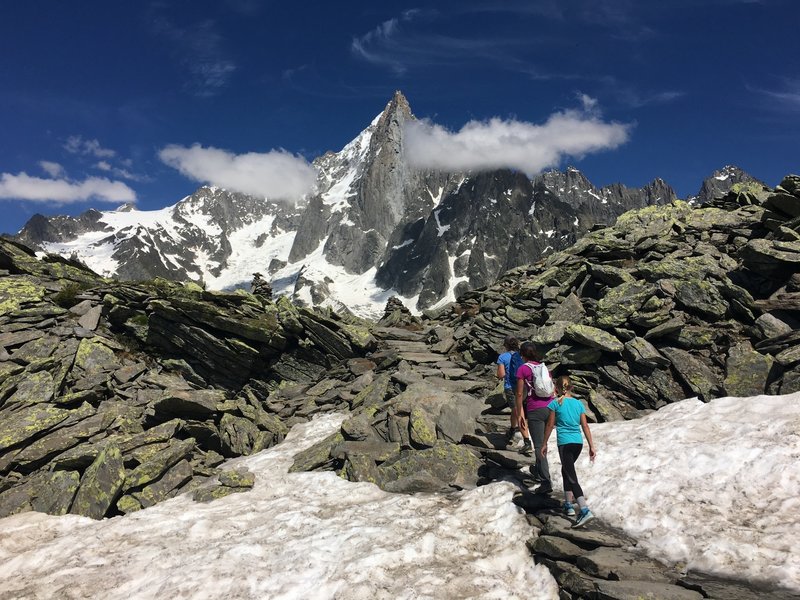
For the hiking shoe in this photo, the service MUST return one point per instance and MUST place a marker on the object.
(514, 440)
(568, 509)
(585, 516)
(545, 488)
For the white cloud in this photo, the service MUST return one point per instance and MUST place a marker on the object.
(274, 174)
(76, 144)
(24, 187)
(589, 103)
(51, 168)
(103, 166)
(499, 143)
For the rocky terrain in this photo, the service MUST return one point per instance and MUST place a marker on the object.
(668, 303)
(426, 236)
(115, 396)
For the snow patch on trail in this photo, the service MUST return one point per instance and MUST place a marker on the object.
(295, 535)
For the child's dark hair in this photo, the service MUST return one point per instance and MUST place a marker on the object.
(563, 387)
(511, 343)
(528, 351)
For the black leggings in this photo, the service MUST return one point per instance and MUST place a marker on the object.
(569, 453)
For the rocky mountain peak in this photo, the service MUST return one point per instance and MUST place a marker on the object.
(398, 105)
(427, 236)
(721, 182)
(387, 127)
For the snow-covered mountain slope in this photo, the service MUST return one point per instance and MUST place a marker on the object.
(375, 227)
(214, 237)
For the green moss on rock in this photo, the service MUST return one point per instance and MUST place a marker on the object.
(422, 428)
(16, 290)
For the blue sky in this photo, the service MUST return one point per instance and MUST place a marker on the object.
(94, 93)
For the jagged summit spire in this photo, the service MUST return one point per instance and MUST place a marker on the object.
(398, 105)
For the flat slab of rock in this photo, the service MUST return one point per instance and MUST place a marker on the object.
(128, 372)
(481, 441)
(594, 338)
(421, 357)
(81, 308)
(771, 326)
(508, 458)
(230, 482)
(615, 563)
(453, 372)
(397, 333)
(407, 346)
(600, 534)
(557, 548)
(17, 338)
(717, 588)
(378, 451)
(28, 422)
(571, 578)
(91, 319)
(189, 403)
(643, 590)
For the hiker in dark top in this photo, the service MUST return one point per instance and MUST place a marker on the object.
(534, 413)
(507, 364)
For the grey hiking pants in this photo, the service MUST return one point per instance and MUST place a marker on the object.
(537, 419)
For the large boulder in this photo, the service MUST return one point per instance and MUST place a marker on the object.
(445, 465)
(100, 484)
(594, 338)
(747, 371)
(48, 492)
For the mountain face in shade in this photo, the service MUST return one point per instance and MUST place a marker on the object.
(375, 227)
(720, 183)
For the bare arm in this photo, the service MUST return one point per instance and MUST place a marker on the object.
(548, 429)
(521, 420)
(501, 371)
(588, 433)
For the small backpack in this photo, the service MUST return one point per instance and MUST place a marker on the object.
(541, 384)
(516, 363)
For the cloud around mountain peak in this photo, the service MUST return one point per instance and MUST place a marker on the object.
(509, 143)
(276, 174)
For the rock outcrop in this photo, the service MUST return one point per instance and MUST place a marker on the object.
(114, 397)
(671, 302)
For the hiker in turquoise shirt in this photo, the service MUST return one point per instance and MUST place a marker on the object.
(568, 416)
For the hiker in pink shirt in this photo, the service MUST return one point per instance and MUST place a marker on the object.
(535, 391)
